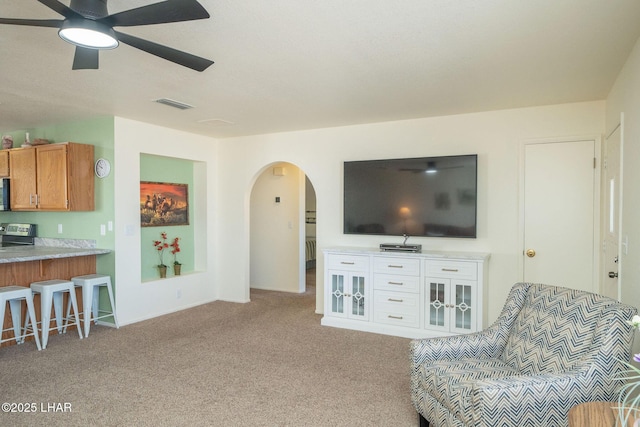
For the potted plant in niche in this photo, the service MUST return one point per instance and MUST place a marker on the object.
(175, 248)
(160, 246)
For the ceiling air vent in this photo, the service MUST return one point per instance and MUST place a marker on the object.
(175, 104)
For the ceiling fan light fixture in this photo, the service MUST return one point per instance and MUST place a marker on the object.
(89, 27)
(89, 34)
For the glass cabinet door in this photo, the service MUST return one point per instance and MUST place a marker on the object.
(349, 295)
(437, 316)
(358, 301)
(463, 307)
(337, 293)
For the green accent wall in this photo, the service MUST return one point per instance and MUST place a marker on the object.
(98, 132)
(168, 170)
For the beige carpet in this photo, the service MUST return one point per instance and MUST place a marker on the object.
(265, 363)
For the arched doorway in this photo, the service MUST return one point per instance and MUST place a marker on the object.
(311, 214)
(282, 230)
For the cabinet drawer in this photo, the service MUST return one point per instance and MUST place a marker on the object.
(452, 269)
(391, 265)
(348, 262)
(397, 308)
(392, 282)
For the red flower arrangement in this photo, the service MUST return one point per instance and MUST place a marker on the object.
(161, 246)
(176, 248)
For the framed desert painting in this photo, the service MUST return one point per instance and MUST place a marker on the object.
(163, 204)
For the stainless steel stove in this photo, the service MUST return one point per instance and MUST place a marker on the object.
(15, 234)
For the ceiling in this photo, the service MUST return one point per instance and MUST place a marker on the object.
(283, 65)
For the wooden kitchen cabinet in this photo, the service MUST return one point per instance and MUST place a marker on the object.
(23, 182)
(52, 177)
(4, 164)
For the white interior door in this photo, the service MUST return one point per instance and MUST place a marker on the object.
(559, 214)
(612, 188)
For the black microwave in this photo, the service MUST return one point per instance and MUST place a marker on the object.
(5, 205)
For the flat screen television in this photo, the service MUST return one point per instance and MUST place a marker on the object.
(427, 196)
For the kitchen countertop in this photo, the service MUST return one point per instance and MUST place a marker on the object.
(11, 254)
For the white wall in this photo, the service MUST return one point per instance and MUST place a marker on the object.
(495, 136)
(275, 229)
(137, 300)
(625, 98)
(224, 247)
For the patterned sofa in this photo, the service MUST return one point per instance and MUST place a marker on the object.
(550, 349)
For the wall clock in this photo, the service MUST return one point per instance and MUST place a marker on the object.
(102, 168)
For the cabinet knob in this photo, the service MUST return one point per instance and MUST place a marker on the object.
(531, 253)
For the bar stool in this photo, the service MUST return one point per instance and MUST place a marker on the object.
(91, 284)
(14, 295)
(51, 292)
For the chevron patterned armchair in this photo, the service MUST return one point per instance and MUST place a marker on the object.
(550, 349)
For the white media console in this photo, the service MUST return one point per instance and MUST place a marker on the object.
(412, 295)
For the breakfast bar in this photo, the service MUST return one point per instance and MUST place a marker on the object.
(15, 254)
(23, 265)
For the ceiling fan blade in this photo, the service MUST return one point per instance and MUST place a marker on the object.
(85, 59)
(53, 23)
(182, 58)
(63, 10)
(158, 13)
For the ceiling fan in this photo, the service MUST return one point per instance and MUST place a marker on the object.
(89, 27)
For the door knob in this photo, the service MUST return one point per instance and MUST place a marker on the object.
(531, 253)
(613, 274)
